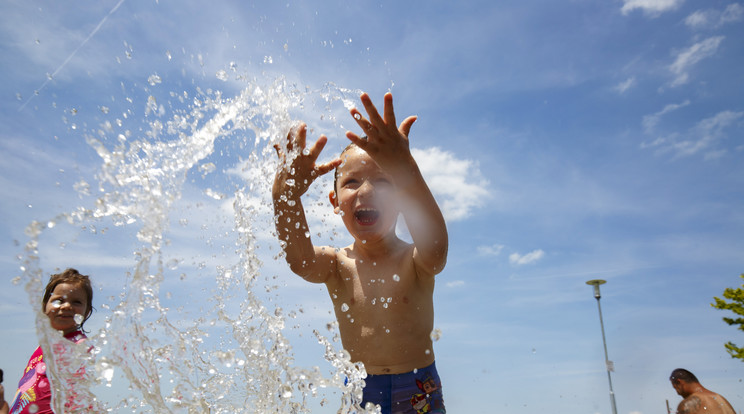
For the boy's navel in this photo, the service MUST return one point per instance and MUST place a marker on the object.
(367, 331)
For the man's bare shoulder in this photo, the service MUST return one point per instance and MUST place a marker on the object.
(705, 402)
(690, 405)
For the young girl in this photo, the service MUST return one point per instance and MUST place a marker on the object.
(68, 302)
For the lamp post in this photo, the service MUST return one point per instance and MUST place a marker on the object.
(608, 363)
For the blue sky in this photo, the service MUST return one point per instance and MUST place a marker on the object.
(565, 141)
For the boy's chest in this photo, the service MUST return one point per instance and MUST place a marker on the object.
(370, 283)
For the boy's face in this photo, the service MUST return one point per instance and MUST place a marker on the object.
(66, 301)
(364, 196)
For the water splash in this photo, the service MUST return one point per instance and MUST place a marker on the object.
(235, 356)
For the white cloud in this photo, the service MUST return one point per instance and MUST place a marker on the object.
(456, 183)
(713, 19)
(623, 86)
(531, 257)
(493, 250)
(650, 121)
(699, 19)
(455, 283)
(651, 8)
(733, 13)
(692, 55)
(702, 138)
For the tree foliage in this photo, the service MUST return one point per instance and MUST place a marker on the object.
(736, 305)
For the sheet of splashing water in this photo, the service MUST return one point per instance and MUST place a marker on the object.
(233, 354)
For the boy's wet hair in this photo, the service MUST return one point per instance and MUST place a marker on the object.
(335, 172)
(72, 277)
(684, 375)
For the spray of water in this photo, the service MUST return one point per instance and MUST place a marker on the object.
(235, 356)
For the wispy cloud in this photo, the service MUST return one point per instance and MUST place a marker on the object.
(531, 257)
(623, 86)
(457, 183)
(691, 56)
(651, 8)
(650, 121)
(713, 19)
(702, 138)
(492, 250)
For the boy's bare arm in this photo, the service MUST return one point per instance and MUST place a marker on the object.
(388, 145)
(297, 170)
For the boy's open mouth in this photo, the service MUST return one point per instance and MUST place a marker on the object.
(366, 216)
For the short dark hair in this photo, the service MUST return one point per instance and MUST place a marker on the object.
(335, 172)
(684, 375)
(73, 277)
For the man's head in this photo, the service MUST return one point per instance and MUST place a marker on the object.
(681, 380)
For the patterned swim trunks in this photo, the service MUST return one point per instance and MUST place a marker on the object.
(415, 392)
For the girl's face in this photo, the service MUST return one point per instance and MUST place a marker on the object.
(67, 301)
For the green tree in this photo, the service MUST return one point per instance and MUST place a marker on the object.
(736, 305)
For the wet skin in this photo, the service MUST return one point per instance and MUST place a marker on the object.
(66, 301)
(381, 286)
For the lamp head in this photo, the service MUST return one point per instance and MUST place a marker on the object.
(596, 283)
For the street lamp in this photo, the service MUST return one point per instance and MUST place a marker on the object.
(608, 363)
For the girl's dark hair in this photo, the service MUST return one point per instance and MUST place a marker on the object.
(73, 277)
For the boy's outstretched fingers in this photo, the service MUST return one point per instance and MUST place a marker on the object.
(314, 153)
(405, 126)
(374, 116)
(389, 111)
(327, 167)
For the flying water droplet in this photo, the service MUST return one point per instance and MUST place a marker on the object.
(78, 319)
(436, 334)
(154, 80)
(396, 278)
(344, 307)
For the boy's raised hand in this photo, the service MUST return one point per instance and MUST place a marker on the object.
(302, 168)
(386, 141)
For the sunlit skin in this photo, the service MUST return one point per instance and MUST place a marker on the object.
(66, 301)
(699, 400)
(365, 198)
(4, 408)
(380, 285)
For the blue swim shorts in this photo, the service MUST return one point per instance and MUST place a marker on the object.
(416, 392)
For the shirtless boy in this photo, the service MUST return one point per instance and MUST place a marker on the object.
(697, 399)
(381, 286)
